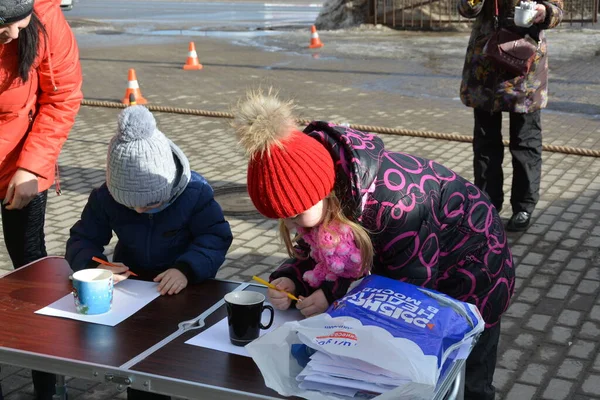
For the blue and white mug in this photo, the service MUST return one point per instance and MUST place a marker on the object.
(93, 291)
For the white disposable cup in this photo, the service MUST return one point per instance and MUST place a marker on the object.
(524, 17)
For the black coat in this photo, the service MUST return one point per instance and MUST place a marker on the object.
(429, 226)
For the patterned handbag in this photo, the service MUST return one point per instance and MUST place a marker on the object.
(509, 50)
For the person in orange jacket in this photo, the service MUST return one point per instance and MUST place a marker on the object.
(40, 95)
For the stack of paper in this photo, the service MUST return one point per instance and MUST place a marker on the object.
(346, 377)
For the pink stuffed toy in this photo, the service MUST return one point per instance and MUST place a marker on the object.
(335, 252)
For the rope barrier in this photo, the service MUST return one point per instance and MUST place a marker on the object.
(578, 151)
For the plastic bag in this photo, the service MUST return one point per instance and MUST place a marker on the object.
(390, 332)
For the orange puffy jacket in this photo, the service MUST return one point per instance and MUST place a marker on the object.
(36, 116)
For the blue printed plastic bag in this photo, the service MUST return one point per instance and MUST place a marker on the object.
(385, 339)
(437, 323)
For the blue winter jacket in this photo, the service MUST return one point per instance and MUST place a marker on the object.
(191, 234)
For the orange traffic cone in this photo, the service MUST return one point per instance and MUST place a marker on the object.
(315, 42)
(133, 88)
(192, 62)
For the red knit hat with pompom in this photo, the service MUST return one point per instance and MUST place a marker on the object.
(288, 171)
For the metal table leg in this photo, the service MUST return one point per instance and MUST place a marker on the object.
(461, 388)
(458, 388)
(61, 388)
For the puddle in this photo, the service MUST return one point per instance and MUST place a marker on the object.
(217, 34)
(108, 32)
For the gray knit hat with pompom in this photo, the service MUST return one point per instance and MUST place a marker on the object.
(14, 10)
(140, 168)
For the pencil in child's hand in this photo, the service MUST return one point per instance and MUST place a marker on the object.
(109, 264)
(270, 285)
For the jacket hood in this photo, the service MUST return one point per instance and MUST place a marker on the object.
(183, 171)
(356, 156)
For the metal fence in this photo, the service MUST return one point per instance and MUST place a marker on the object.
(438, 14)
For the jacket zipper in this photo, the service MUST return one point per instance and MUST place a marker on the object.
(149, 239)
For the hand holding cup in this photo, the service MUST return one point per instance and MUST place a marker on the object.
(529, 12)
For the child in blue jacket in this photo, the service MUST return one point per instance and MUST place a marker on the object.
(170, 228)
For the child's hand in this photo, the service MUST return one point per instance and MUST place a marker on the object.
(278, 299)
(314, 304)
(120, 273)
(172, 281)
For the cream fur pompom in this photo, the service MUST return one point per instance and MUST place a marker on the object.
(262, 120)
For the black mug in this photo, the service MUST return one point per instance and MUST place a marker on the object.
(244, 313)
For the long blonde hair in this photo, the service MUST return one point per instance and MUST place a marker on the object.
(333, 213)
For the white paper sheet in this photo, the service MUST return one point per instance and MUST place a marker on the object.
(129, 297)
(344, 377)
(327, 359)
(343, 371)
(325, 388)
(217, 336)
(348, 383)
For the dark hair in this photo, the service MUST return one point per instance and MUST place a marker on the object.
(29, 43)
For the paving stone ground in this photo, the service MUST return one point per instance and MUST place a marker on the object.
(549, 346)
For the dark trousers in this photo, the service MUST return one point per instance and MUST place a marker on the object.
(481, 365)
(133, 394)
(25, 241)
(526, 150)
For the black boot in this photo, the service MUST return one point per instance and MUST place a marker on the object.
(519, 222)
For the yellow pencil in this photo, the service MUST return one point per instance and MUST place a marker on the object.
(267, 284)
